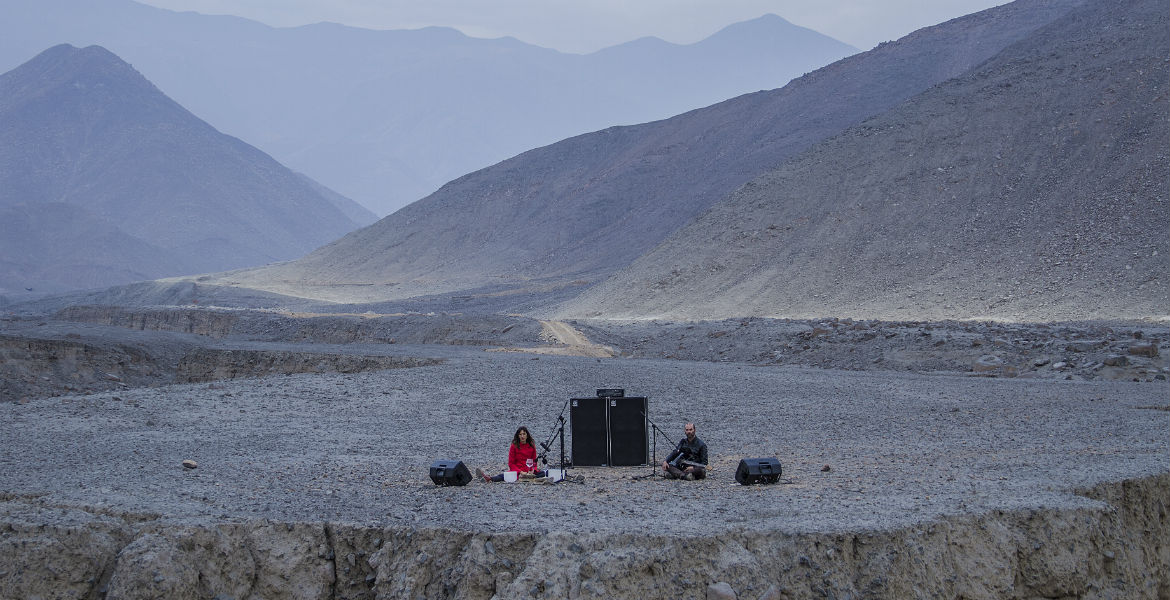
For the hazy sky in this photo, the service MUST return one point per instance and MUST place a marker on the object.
(587, 25)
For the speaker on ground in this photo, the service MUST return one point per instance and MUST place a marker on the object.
(758, 470)
(627, 431)
(450, 472)
(590, 445)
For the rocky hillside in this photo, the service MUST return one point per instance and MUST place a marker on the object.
(104, 180)
(1031, 188)
(578, 210)
(387, 117)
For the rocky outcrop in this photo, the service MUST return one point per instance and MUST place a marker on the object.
(1032, 350)
(210, 323)
(371, 328)
(32, 367)
(1116, 544)
(211, 364)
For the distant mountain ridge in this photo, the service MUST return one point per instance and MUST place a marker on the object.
(1032, 188)
(387, 117)
(105, 180)
(1007, 165)
(575, 212)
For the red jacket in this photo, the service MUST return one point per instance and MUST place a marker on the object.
(519, 457)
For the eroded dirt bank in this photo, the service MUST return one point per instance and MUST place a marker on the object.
(1117, 545)
(414, 328)
(33, 367)
(1083, 351)
(95, 348)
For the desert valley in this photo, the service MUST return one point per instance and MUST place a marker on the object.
(930, 278)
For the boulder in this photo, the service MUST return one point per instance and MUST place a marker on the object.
(1147, 349)
(1116, 360)
(720, 591)
(986, 363)
(1082, 346)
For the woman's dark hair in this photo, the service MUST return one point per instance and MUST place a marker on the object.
(516, 437)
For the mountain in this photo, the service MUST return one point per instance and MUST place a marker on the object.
(1033, 187)
(387, 117)
(105, 180)
(575, 212)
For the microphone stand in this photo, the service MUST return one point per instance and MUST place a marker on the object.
(561, 433)
(657, 431)
(559, 430)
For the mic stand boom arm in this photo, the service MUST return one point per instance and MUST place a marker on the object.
(555, 430)
(658, 431)
(558, 432)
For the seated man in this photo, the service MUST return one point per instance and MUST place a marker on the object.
(689, 459)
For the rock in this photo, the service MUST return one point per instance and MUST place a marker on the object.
(140, 567)
(1116, 360)
(720, 591)
(190, 464)
(826, 469)
(1040, 362)
(987, 362)
(1146, 349)
(773, 593)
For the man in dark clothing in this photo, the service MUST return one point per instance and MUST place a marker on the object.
(689, 459)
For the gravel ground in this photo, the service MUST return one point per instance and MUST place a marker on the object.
(355, 448)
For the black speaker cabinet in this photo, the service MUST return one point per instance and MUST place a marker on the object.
(450, 472)
(627, 431)
(590, 447)
(608, 431)
(758, 470)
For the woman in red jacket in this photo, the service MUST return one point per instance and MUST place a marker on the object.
(521, 457)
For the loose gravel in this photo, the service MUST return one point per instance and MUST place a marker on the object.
(899, 448)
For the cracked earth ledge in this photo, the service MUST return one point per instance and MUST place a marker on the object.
(1114, 544)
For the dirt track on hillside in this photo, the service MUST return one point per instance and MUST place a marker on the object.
(565, 340)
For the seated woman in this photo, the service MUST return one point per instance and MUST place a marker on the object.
(521, 457)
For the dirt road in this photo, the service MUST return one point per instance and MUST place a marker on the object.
(565, 340)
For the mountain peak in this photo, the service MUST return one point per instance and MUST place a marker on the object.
(764, 20)
(68, 58)
(107, 180)
(67, 70)
(771, 29)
